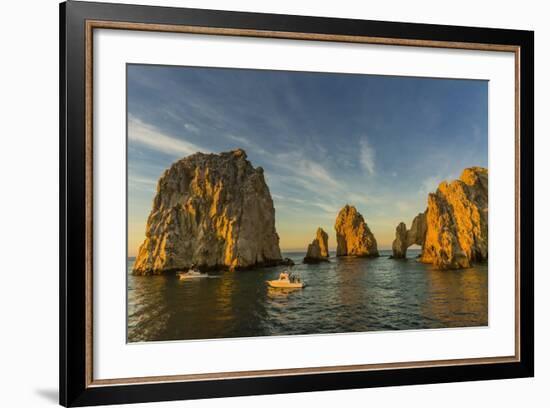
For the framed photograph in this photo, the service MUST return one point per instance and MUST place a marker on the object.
(256, 204)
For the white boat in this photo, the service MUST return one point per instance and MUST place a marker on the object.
(191, 274)
(286, 281)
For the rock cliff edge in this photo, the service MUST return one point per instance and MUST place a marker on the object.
(210, 211)
(353, 236)
(317, 251)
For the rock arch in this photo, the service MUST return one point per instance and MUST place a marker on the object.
(405, 238)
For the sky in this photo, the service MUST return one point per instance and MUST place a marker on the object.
(380, 143)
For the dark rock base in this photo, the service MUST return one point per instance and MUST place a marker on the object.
(210, 268)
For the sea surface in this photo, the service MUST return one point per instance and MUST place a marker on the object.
(343, 295)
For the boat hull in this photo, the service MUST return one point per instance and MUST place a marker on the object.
(286, 285)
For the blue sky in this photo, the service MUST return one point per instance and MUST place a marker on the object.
(380, 143)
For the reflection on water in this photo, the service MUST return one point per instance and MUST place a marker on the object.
(345, 295)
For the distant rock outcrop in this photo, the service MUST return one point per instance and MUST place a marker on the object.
(457, 221)
(354, 238)
(453, 231)
(405, 238)
(210, 211)
(317, 251)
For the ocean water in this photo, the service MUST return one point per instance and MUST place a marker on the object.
(345, 295)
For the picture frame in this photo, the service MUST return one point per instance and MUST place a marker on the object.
(79, 21)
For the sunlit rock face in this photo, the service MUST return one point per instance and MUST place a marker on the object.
(353, 236)
(317, 251)
(405, 238)
(457, 222)
(210, 211)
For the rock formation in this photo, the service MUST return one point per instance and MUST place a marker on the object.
(210, 211)
(457, 221)
(317, 251)
(353, 235)
(453, 231)
(405, 238)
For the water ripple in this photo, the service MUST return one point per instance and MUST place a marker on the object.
(345, 295)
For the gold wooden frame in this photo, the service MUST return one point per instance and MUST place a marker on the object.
(99, 24)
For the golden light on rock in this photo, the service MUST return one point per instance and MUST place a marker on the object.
(211, 211)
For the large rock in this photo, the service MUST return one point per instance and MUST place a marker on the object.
(405, 238)
(399, 245)
(354, 238)
(457, 222)
(210, 211)
(317, 251)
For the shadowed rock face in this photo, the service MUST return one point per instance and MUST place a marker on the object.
(354, 238)
(210, 210)
(317, 251)
(457, 222)
(405, 238)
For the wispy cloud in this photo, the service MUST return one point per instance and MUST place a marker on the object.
(192, 128)
(141, 180)
(246, 143)
(356, 198)
(151, 137)
(287, 198)
(305, 169)
(312, 179)
(144, 184)
(366, 155)
(239, 139)
(430, 184)
(327, 208)
(405, 207)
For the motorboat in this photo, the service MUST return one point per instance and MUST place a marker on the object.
(287, 281)
(192, 274)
